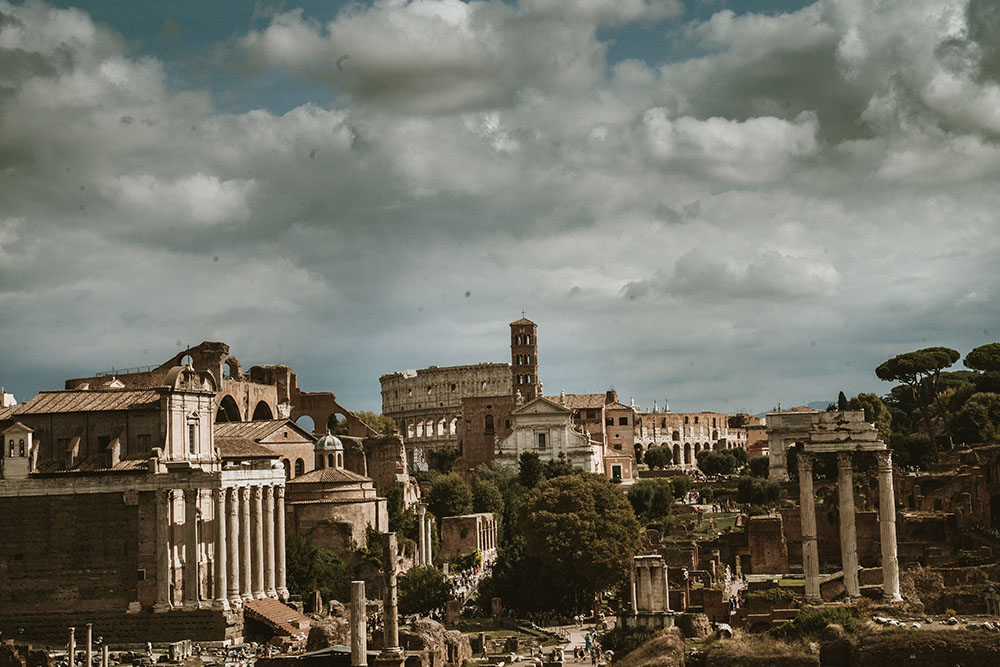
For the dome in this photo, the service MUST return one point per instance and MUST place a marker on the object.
(329, 443)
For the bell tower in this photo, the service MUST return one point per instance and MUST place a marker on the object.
(524, 359)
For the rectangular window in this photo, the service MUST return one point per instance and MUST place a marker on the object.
(623, 421)
(610, 421)
(616, 472)
(541, 441)
(193, 438)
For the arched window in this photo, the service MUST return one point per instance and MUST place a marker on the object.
(300, 467)
(340, 460)
(489, 423)
(22, 446)
(288, 468)
(677, 435)
(329, 461)
(12, 448)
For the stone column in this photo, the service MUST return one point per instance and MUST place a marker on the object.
(257, 537)
(848, 529)
(233, 543)
(390, 601)
(807, 506)
(421, 533)
(105, 655)
(191, 548)
(359, 625)
(72, 647)
(221, 545)
(632, 584)
(162, 552)
(666, 589)
(245, 556)
(269, 588)
(429, 551)
(279, 542)
(887, 527)
(90, 644)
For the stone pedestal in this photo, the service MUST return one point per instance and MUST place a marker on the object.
(848, 529)
(810, 549)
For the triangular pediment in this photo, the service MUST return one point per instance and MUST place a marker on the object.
(541, 406)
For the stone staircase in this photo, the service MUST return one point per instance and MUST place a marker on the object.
(282, 619)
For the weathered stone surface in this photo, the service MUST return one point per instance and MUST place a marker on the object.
(693, 626)
(437, 646)
(666, 649)
(330, 631)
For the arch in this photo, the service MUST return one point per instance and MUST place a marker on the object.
(411, 431)
(715, 445)
(419, 433)
(638, 452)
(452, 425)
(231, 370)
(488, 423)
(340, 460)
(262, 411)
(677, 455)
(687, 453)
(331, 461)
(288, 468)
(441, 426)
(697, 448)
(305, 422)
(676, 436)
(229, 411)
(300, 467)
(187, 360)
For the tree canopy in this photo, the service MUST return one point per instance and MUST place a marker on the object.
(651, 498)
(720, 462)
(486, 497)
(422, 589)
(582, 531)
(377, 422)
(450, 495)
(531, 470)
(984, 358)
(310, 568)
(921, 369)
(658, 457)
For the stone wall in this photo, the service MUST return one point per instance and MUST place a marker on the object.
(68, 552)
(23, 655)
(828, 535)
(120, 627)
(767, 545)
(477, 442)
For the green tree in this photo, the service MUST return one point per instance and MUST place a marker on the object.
(739, 454)
(716, 462)
(759, 466)
(979, 419)
(920, 370)
(422, 589)
(841, 401)
(912, 449)
(531, 470)
(986, 358)
(450, 495)
(558, 466)
(486, 497)
(582, 531)
(310, 568)
(651, 498)
(680, 485)
(402, 521)
(756, 491)
(443, 459)
(377, 422)
(658, 457)
(876, 412)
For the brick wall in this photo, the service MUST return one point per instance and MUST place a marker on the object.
(69, 551)
(117, 626)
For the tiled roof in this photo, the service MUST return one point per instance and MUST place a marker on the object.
(89, 400)
(579, 401)
(242, 448)
(96, 463)
(523, 320)
(329, 476)
(254, 430)
(7, 412)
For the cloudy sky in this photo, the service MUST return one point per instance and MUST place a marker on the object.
(727, 204)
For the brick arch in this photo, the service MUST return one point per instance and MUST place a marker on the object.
(262, 411)
(229, 410)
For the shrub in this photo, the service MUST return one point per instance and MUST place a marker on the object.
(775, 594)
(812, 620)
(625, 640)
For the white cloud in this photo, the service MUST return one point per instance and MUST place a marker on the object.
(196, 199)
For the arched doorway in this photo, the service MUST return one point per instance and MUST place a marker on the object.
(228, 411)
(677, 455)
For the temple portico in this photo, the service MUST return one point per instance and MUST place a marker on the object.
(843, 433)
(650, 592)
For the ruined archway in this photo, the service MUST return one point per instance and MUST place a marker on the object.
(677, 455)
(228, 411)
(305, 422)
(687, 454)
(262, 411)
(337, 423)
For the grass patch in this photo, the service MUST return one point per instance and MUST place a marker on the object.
(811, 621)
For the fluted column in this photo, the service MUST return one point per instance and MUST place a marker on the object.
(233, 545)
(887, 527)
(807, 506)
(221, 584)
(245, 556)
(191, 548)
(279, 541)
(162, 552)
(848, 529)
(257, 537)
(269, 542)
(421, 534)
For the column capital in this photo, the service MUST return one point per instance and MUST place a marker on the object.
(883, 460)
(805, 462)
(268, 491)
(257, 493)
(191, 496)
(219, 495)
(244, 492)
(845, 460)
(279, 491)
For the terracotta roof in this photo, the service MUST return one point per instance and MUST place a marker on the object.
(89, 400)
(254, 430)
(96, 463)
(580, 401)
(6, 412)
(329, 476)
(10, 423)
(242, 448)
(523, 320)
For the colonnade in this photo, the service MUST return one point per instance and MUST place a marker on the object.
(249, 545)
(487, 534)
(425, 554)
(649, 586)
(848, 530)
